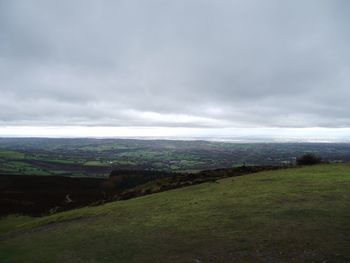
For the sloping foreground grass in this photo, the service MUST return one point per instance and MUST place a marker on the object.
(293, 215)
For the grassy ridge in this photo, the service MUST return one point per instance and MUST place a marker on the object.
(294, 215)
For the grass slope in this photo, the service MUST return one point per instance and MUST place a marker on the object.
(294, 215)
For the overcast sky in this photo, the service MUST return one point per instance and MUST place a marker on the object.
(182, 64)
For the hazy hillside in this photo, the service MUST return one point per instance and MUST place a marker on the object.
(294, 215)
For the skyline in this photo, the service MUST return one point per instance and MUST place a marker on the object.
(239, 135)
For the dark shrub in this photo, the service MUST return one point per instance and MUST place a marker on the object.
(309, 159)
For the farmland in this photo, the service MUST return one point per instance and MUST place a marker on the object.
(97, 157)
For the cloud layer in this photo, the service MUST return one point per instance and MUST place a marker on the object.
(185, 63)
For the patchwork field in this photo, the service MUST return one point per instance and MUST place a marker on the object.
(98, 157)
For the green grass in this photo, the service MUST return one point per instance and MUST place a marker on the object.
(59, 161)
(96, 163)
(11, 154)
(292, 215)
(19, 167)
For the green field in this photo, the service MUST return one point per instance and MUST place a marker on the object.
(288, 215)
(97, 157)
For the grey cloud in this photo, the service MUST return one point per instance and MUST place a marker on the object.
(175, 63)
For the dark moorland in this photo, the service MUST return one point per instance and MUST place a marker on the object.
(40, 195)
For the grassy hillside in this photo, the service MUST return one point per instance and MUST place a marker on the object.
(294, 215)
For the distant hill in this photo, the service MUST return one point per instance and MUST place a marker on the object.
(287, 215)
(98, 157)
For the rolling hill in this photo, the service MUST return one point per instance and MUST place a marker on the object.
(289, 215)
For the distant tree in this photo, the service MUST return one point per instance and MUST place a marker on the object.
(309, 159)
